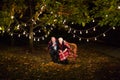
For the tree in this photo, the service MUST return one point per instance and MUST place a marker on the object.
(35, 14)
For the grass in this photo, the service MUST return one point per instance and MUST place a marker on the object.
(17, 63)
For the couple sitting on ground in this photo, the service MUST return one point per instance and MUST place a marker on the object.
(59, 50)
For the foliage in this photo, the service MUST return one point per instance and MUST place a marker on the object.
(78, 11)
(90, 65)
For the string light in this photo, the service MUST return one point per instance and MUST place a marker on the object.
(94, 29)
(46, 36)
(18, 26)
(51, 12)
(24, 33)
(11, 34)
(12, 17)
(29, 37)
(74, 36)
(74, 31)
(55, 20)
(3, 31)
(43, 38)
(0, 28)
(72, 22)
(95, 38)
(25, 25)
(79, 39)
(8, 29)
(118, 7)
(106, 15)
(104, 35)
(93, 20)
(53, 24)
(39, 31)
(80, 32)
(34, 39)
(33, 33)
(19, 35)
(38, 39)
(64, 21)
(113, 28)
(66, 26)
(87, 40)
(86, 31)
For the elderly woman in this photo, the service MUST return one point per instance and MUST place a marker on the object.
(64, 50)
(53, 49)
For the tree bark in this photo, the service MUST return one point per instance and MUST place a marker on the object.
(31, 39)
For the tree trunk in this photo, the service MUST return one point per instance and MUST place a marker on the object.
(31, 38)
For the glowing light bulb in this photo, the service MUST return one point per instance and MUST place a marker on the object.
(11, 34)
(104, 34)
(38, 39)
(80, 32)
(86, 31)
(118, 7)
(106, 15)
(34, 39)
(25, 24)
(72, 22)
(87, 40)
(19, 35)
(113, 28)
(95, 38)
(12, 17)
(0, 28)
(74, 36)
(18, 26)
(46, 36)
(79, 39)
(39, 31)
(24, 33)
(94, 29)
(93, 20)
(43, 38)
(74, 31)
(29, 37)
(66, 26)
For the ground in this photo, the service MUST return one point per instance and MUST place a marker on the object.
(18, 63)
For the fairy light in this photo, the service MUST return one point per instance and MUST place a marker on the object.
(104, 35)
(11, 34)
(48, 32)
(66, 26)
(53, 24)
(80, 32)
(8, 30)
(25, 25)
(29, 37)
(12, 17)
(18, 35)
(3, 31)
(32, 19)
(64, 21)
(51, 28)
(94, 29)
(93, 20)
(18, 26)
(39, 31)
(95, 38)
(74, 36)
(86, 31)
(43, 38)
(46, 36)
(51, 12)
(33, 33)
(55, 15)
(72, 22)
(79, 39)
(38, 39)
(34, 39)
(74, 31)
(55, 20)
(113, 28)
(106, 15)
(24, 33)
(87, 40)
